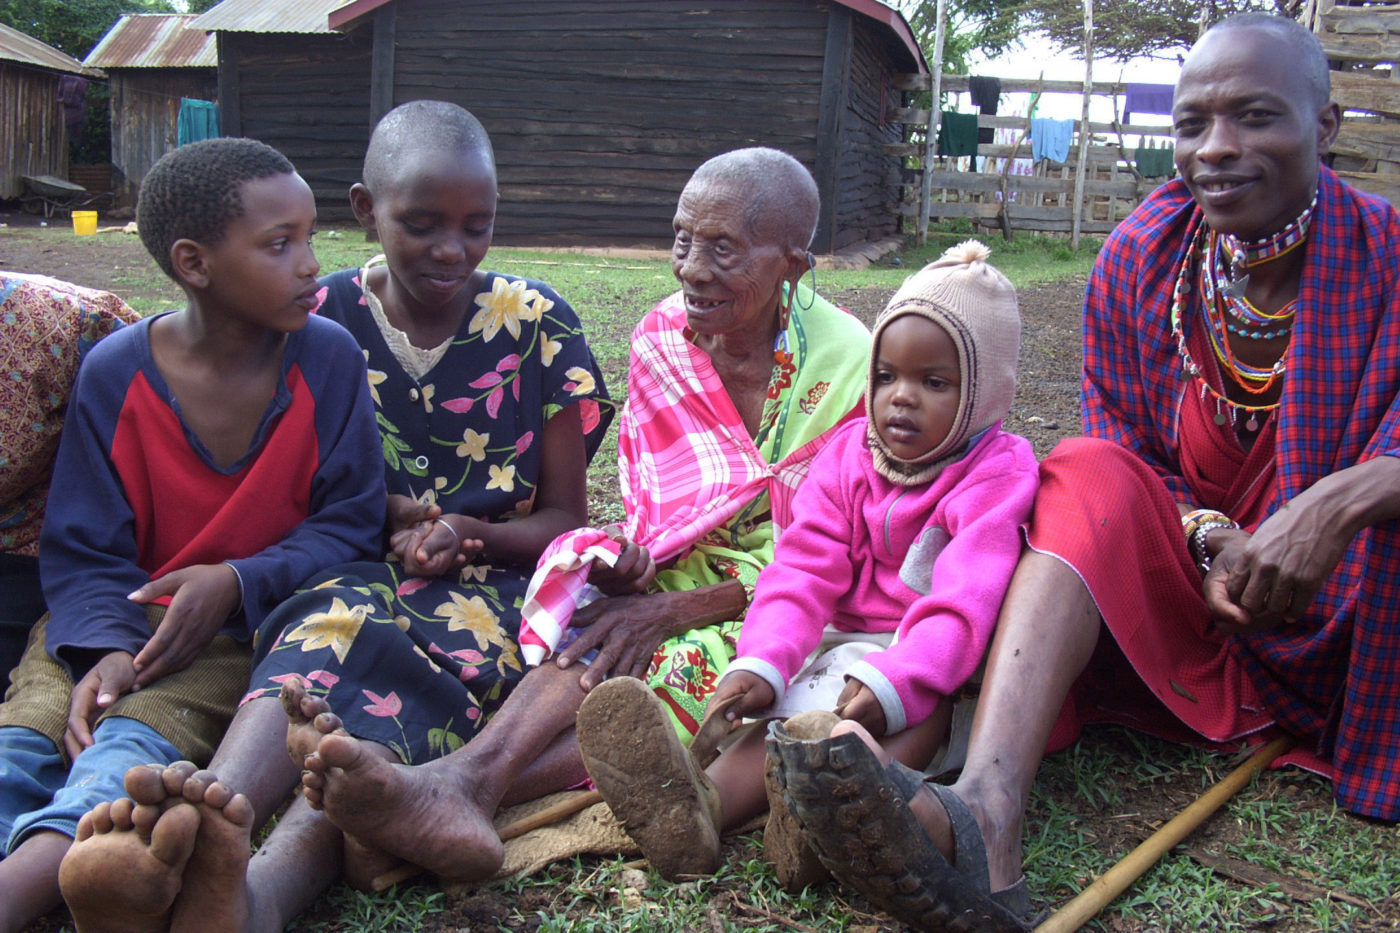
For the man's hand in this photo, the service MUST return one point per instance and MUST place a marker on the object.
(109, 678)
(756, 695)
(857, 702)
(204, 596)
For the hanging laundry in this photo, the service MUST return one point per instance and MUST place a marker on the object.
(1050, 139)
(1146, 98)
(957, 135)
(1154, 163)
(199, 119)
(986, 97)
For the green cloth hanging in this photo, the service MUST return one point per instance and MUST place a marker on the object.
(1154, 163)
(199, 119)
(957, 134)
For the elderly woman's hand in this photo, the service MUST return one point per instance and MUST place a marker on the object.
(627, 630)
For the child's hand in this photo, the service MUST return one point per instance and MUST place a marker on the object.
(857, 702)
(404, 513)
(205, 595)
(755, 692)
(632, 573)
(109, 678)
(431, 549)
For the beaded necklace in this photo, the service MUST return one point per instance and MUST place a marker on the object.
(1226, 276)
(1181, 295)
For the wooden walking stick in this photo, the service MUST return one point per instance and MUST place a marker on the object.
(1115, 881)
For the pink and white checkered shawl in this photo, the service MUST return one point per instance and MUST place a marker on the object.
(686, 462)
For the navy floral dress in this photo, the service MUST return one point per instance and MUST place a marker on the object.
(419, 664)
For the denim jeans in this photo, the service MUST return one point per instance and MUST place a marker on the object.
(38, 793)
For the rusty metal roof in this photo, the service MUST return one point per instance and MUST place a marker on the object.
(15, 46)
(295, 16)
(155, 40)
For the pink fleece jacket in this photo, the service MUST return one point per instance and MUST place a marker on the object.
(930, 563)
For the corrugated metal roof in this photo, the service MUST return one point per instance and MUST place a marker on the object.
(15, 46)
(297, 16)
(155, 40)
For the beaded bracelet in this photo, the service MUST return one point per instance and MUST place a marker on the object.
(1194, 519)
(1197, 542)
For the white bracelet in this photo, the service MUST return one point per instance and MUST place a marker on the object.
(448, 525)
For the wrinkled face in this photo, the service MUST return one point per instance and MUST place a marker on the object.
(1249, 134)
(730, 274)
(264, 271)
(434, 216)
(916, 386)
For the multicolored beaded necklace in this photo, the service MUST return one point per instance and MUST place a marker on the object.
(1224, 263)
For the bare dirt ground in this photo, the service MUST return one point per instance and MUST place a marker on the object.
(1109, 820)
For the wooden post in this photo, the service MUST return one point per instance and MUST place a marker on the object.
(935, 113)
(1084, 123)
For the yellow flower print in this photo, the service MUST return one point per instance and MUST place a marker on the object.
(502, 478)
(508, 304)
(335, 628)
(473, 445)
(328, 584)
(472, 572)
(583, 377)
(376, 376)
(428, 391)
(474, 616)
(432, 665)
(538, 306)
(509, 658)
(548, 348)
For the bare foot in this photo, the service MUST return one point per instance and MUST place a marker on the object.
(303, 709)
(124, 869)
(421, 813)
(1003, 845)
(214, 892)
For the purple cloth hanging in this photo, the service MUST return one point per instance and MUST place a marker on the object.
(1146, 98)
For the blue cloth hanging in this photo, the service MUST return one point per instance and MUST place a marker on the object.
(1050, 139)
(199, 119)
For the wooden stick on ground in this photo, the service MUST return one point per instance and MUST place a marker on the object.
(1115, 881)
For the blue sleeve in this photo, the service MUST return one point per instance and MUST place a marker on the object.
(88, 561)
(347, 491)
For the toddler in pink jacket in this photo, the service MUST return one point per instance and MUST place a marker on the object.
(884, 591)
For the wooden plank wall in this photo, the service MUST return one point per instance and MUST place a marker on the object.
(1044, 201)
(308, 97)
(594, 143)
(868, 179)
(1365, 40)
(33, 139)
(145, 118)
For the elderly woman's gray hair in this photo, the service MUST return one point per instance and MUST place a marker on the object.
(781, 195)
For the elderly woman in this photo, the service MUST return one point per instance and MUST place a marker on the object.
(735, 383)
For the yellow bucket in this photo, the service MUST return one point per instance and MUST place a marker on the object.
(85, 223)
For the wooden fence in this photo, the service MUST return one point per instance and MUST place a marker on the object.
(1045, 200)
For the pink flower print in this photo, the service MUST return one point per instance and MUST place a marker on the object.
(508, 363)
(588, 411)
(473, 714)
(523, 442)
(284, 678)
(493, 401)
(487, 380)
(411, 585)
(458, 406)
(324, 678)
(468, 656)
(389, 706)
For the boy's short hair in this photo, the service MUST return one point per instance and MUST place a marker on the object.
(193, 193)
(422, 125)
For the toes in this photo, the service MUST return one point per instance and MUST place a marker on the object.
(172, 840)
(145, 783)
(327, 723)
(175, 776)
(198, 785)
(138, 816)
(291, 695)
(93, 822)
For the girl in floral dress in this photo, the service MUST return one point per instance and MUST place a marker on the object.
(488, 401)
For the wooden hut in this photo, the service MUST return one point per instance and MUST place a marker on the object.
(154, 61)
(33, 139)
(1363, 43)
(598, 111)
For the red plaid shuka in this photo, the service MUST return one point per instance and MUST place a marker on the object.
(1333, 678)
